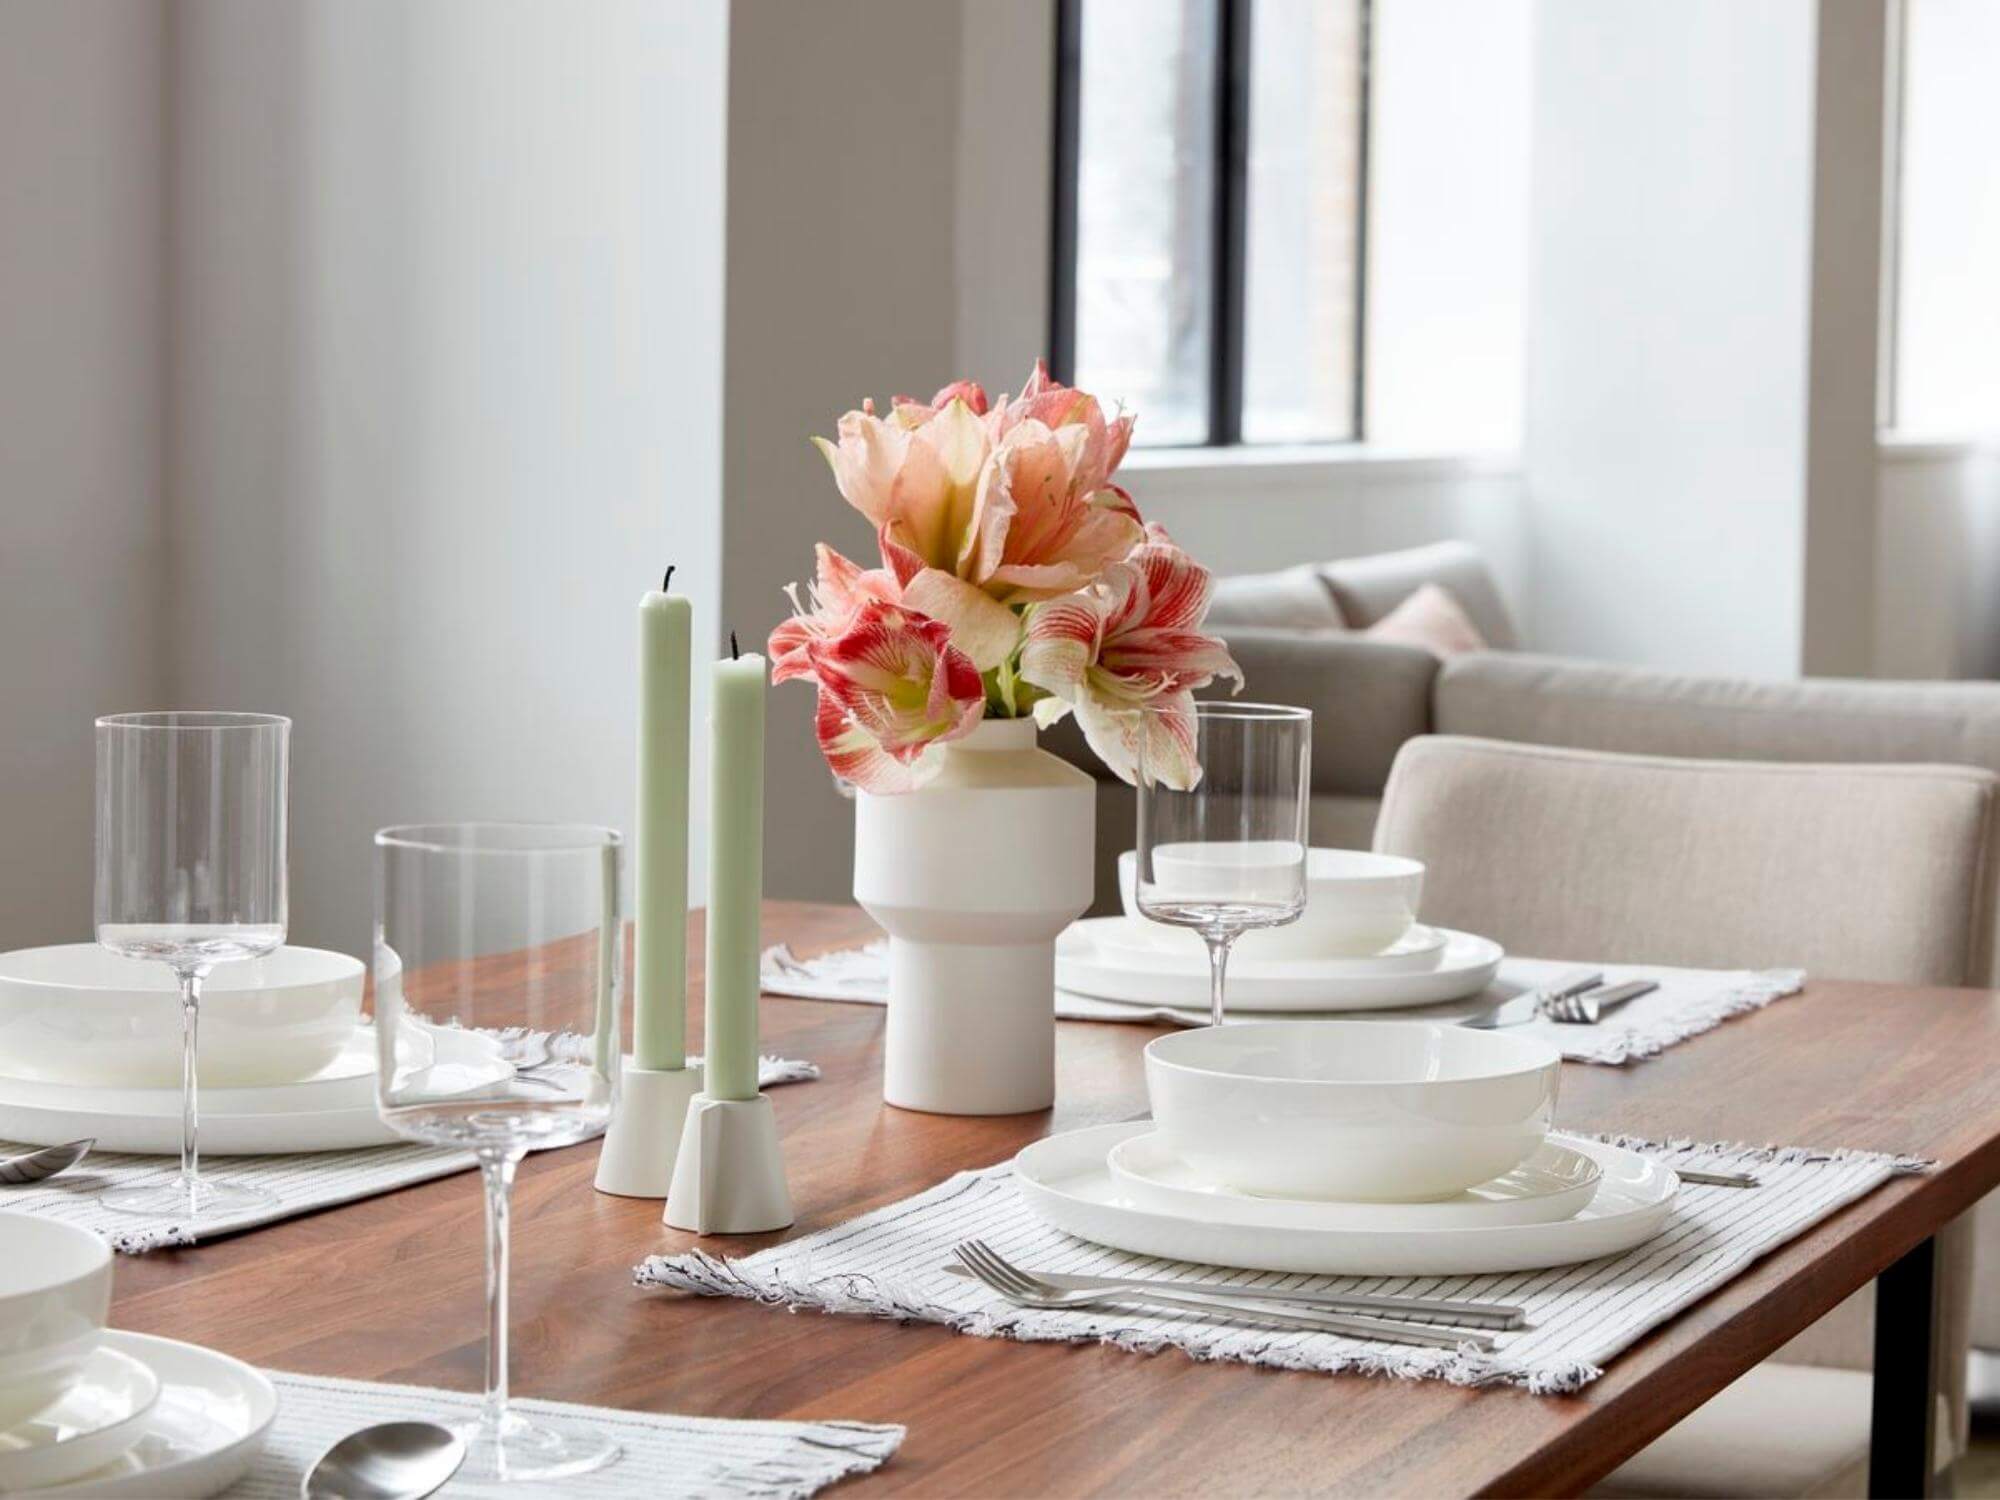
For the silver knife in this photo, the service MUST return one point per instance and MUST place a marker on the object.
(1488, 1314)
(1526, 1007)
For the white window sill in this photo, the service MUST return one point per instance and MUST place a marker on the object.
(1346, 460)
(1903, 445)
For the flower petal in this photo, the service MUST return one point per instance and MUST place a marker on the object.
(982, 627)
(1166, 727)
(1062, 642)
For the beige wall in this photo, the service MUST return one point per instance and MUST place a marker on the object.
(83, 626)
(843, 144)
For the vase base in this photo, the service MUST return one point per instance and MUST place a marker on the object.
(972, 1028)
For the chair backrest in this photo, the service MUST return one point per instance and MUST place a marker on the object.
(1849, 871)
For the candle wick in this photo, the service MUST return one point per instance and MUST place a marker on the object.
(733, 652)
(667, 583)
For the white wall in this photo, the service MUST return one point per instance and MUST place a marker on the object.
(1673, 335)
(1256, 511)
(82, 591)
(1937, 611)
(446, 343)
(1948, 324)
(1449, 104)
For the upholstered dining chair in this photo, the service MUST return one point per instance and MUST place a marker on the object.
(1854, 871)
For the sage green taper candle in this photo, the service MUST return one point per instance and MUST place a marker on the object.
(660, 879)
(735, 874)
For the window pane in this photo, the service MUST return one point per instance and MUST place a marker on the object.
(1145, 211)
(1304, 218)
(1948, 281)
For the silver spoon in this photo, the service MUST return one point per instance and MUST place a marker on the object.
(389, 1461)
(39, 1166)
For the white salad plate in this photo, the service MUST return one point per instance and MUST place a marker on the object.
(1102, 957)
(1553, 1184)
(1067, 1181)
(96, 1421)
(208, 1426)
(1418, 951)
(315, 1115)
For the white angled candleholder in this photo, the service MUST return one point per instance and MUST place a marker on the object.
(644, 1140)
(730, 1178)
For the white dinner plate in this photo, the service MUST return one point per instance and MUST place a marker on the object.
(1067, 1181)
(97, 1419)
(1555, 1183)
(1417, 951)
(201, 1436)
(149, 1120)
(1096, 957)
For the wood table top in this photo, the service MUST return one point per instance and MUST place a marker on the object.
(390, 1288)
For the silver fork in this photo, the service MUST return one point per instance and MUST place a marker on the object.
(1585, 1009)
(1025, 1290)
(1495, 1315)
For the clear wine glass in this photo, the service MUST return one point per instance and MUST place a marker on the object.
(499, 981)
(1228, 853)
(191, 815)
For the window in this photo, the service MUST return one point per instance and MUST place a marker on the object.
(1209, 208)
(1942, 337)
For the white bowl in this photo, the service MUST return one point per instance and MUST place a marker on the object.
(1371, 1111)
(55, 1293)
(1357, 903)
(81, 1014)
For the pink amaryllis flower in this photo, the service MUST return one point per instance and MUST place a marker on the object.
(1131, 642)
(891, 685)
(1053, 404)
(995, 506)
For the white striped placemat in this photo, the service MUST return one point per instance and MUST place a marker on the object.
(1687, 1002)
(891, 1264)
(663, 1457)
(302, 1183)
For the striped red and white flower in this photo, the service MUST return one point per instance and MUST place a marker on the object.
(891, 687)
(838, 590)
(1126, 655)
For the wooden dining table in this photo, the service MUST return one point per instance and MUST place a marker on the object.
(390, 1288)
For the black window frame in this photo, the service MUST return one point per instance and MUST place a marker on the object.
(1231, 214)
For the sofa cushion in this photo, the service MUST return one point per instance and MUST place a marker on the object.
(1367, 697)
(1367, 588)
(1294, 599)
(1431, 620)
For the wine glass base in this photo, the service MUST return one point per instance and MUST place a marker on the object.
(171, 1200)
(530, 1448)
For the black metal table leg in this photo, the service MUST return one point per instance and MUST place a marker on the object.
(1903, 1427)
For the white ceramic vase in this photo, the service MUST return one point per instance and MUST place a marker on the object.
(973, 877)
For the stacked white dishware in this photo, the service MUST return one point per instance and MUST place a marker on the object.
(91, 1411)
(1392, 1148)
(1356, 946)
(90, 1047)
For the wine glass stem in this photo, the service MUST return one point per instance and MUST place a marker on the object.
(190, 1125)
(1219, 944)
(499, 1175)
